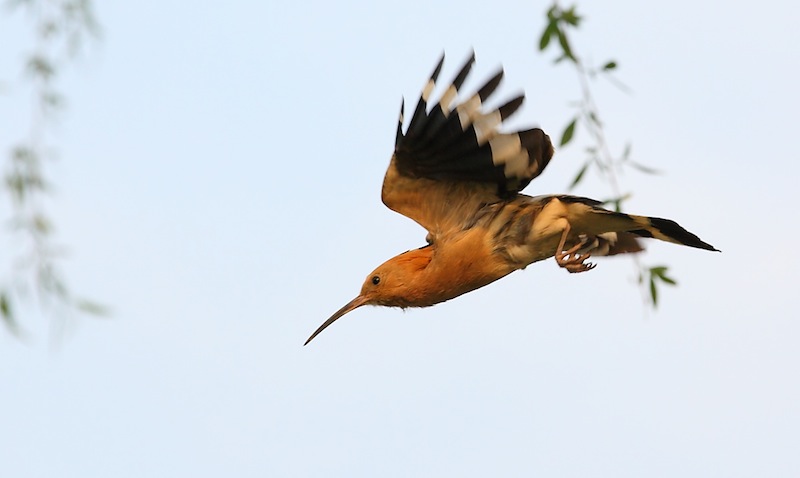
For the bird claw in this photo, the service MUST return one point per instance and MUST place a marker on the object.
(579, 267)
(572, 260)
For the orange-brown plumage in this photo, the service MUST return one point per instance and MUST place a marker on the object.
(457, 175)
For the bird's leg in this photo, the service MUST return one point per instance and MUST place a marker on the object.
(572, 260)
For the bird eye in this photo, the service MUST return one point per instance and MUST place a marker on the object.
(376, 280)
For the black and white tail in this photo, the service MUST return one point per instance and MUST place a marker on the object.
(588, 217)
(670, 231)
(463, 143)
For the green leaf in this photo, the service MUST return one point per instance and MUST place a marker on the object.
(41, 224)
(52, 99)
(626, 153)
(7, 315)
(657, 273)
(551, 13)
(5, 306)
(40, 66)
(16, 184)
(593, 117)
(661, 273)
(643, 168)
(610, 65)
(564, 42)
(579, 176)
(653, 291)
(92, 307)
(571, 17)
(547, 35)
(24, 154)
(569, 131)
(658, 270)
(669, 280)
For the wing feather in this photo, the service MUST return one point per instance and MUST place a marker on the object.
(454, 157)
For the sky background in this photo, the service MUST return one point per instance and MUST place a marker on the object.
(218, 188)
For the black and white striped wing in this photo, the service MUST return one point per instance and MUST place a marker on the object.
(452, 159)
(463, 142)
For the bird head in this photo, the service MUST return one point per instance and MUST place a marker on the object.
(392, 284)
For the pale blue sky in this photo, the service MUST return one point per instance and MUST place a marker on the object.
(219, 185)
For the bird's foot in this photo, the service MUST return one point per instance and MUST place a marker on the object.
(572, 260)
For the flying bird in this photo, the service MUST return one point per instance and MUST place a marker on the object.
(459, 176)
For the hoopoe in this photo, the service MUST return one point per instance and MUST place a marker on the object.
(457, 175)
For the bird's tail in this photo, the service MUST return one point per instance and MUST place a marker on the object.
(587, 216)
(668, 230)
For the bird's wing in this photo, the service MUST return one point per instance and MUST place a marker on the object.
(453, 158)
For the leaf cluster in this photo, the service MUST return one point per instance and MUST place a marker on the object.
(60, 27)
(560, 22)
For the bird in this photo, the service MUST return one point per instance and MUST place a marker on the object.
(460, 177)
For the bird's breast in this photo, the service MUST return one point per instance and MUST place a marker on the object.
(499, 238)
(463, 263)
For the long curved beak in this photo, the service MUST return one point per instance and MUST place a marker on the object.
(353, 304)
